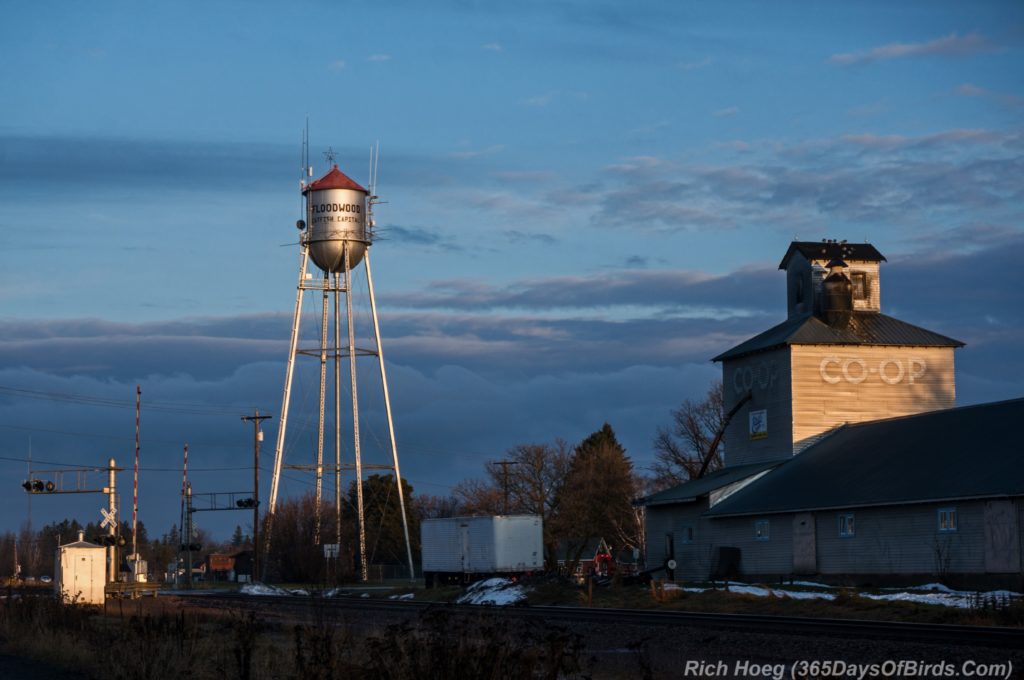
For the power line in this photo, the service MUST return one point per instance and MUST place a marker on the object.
(184, 408)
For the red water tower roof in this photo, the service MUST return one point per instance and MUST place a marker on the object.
(335, 179)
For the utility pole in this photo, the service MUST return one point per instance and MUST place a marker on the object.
(257, 437)
(188, 536)
(504, 477)
(135, 491)
(111, 520)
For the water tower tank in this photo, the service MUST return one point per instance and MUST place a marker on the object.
(336, 206)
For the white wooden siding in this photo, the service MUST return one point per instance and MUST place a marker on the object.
(820, 405)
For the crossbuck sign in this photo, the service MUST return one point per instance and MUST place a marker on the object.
(109, 517)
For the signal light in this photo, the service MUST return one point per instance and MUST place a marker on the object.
(38, 486)
(107, 539)
(246, 502)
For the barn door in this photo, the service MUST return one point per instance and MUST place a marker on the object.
(1002, 538)
(805, 549)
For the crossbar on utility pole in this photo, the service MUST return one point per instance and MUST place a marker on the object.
(257, 435)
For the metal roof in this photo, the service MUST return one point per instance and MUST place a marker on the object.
(865, 328)
(832, 250)
(959, 453)
(692, 490)
(335, 179)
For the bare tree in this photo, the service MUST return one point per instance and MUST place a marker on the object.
(426, 506)
(478, 497)
(533, 482)
(681, 450)
(530, 476)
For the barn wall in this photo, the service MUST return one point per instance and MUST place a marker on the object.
(893, 540)
(835, 384)
(904, 540)
(773, 556)
(694, 558)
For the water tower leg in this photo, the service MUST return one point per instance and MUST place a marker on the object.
(337, 409)
(355, 417)
(387, 407)
(320, 428)
(285, 400)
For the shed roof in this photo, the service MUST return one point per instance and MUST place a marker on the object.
(865, 328)
(81, 544)
(692, 490)
(959, 453)
(831, 250)
(335, 179)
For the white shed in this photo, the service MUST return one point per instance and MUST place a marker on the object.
(80, 572)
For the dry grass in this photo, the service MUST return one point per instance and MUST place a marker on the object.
(136, 641)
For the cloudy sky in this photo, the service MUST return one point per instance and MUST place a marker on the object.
(585, 202)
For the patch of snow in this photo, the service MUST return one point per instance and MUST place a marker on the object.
(299, 591)
(500, 592)
(404, 596)
(936, 587)
(929, 593)
(809, 584)
(760, 591)
(943, 595)
(749, 590)
(365, 595)
(805, 595)
(944, 599)
(261, 589)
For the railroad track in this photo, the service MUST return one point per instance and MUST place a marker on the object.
(977, 636)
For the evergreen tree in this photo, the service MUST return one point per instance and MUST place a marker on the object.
(595, 501)
(237, 538)
(385, 537)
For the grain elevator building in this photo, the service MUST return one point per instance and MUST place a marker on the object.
(847, 458)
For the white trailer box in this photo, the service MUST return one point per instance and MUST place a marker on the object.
(81, 572)
(499, 544)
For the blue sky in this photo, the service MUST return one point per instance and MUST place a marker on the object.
(585, 202)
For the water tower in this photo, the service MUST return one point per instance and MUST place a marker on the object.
(336, 235)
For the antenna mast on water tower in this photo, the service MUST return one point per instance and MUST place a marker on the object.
(336, 235)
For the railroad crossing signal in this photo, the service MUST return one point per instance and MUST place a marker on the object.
(38, 486)
(109, 517)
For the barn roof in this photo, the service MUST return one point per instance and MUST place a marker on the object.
(832, 250)
(865, 328)
(960, 453)
(691, 491)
